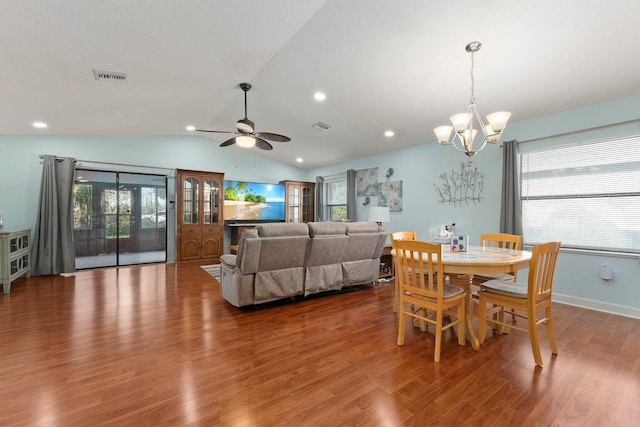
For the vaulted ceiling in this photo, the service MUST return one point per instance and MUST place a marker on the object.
(398, 65)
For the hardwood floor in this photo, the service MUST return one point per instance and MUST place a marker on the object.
(157, 345)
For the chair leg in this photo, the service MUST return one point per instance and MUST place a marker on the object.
(501, 327)
(436, 350)
(533, 336)
(396, 295)
(482, 320)
(550, 332)
(401, 322)
(462, 333)
(423, 323)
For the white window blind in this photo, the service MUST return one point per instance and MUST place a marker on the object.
(586, 195)
(336, 197)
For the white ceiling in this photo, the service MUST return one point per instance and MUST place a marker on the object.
(383, 64)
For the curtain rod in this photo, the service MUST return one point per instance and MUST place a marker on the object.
(116, 164)
(574, 132)
(335, 174)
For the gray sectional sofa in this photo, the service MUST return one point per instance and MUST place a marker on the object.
(282, 260)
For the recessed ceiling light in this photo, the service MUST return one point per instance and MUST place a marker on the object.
(319, 96)
(191, 128)
(299, 160)
(39, 125)
(389, 133)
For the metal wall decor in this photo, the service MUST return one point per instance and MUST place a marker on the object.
(389, 173)
(464, 185)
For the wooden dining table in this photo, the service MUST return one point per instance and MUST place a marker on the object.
(462, 266)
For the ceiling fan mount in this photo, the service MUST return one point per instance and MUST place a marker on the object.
(245, 129)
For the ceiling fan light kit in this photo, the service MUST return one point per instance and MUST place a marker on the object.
(245, 129)
(245, 141)
(464, 123)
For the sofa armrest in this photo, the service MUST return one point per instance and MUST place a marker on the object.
(229, 260)
(250, 258)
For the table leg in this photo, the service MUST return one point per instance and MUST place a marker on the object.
(465, 281)
(475, 341)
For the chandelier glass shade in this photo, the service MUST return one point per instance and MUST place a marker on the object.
(463, 131)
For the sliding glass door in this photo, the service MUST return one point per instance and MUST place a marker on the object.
(119, 218)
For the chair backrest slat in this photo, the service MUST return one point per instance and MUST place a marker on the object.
(420, 268)
(501, 240)
(403, 235)
(542, 269)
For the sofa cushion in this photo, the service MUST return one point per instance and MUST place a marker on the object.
(277, 253)
(280, 229)
(362, 246)
(324, 263)
(249, 233)
(362, 227)
(327, 228)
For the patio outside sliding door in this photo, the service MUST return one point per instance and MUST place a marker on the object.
(119, 218)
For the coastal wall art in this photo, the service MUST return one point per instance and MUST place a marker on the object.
(367, 182)
(390, 194)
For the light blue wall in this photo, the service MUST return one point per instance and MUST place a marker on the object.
(577, 275)
(21, 167)
(418, 167)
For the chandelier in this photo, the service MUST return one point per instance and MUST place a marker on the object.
(464, 123)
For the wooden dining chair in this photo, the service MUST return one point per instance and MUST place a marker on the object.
(395, 236)
(501, 241)
(525, 299)
(420, 272)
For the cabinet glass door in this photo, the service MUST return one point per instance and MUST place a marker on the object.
(294, 204)
(307, 204)
(191, 201)
(211, 208)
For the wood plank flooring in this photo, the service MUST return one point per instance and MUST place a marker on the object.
(157, 345)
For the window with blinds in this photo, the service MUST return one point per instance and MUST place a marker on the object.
(335, 197)
(586, 195)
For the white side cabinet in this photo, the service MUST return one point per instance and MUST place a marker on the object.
(15, 247)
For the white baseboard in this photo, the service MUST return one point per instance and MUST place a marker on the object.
(620, 310)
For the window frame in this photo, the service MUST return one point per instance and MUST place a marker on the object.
(329, 207)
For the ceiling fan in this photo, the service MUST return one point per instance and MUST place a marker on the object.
(245, 130)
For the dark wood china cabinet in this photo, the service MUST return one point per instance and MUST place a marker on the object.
(200, 233)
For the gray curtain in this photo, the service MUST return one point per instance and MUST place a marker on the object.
(319, 198)
(511, 208)
(53, 250)
(351, 195)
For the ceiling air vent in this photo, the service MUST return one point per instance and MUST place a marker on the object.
(323, 127)
(110, 75)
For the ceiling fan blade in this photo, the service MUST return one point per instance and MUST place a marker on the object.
(273, 136)
(214, 131)
(228, 142)
(263, 145)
